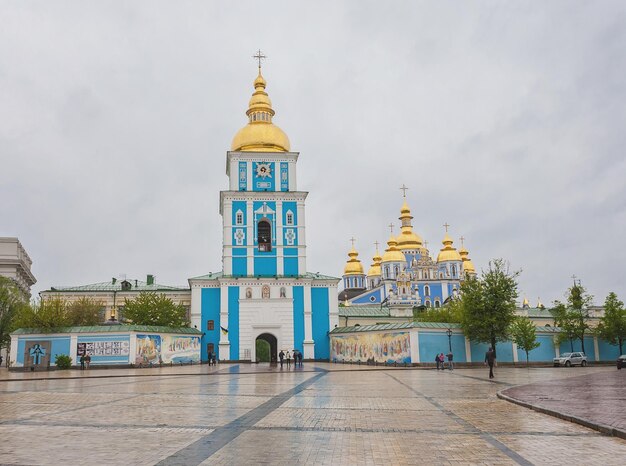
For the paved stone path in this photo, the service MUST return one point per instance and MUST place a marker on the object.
(597, 400)
(324, 414)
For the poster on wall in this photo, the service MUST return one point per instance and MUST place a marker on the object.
(103, 348)
(378, 347)
(157, 349)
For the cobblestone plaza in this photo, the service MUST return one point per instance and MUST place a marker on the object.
(322, 414)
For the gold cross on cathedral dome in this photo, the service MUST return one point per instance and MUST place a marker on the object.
(403, 189)
(259, 57)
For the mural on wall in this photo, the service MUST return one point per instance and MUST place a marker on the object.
(380, 347)
(156, 349)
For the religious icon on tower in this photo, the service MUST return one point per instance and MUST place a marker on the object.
(263, 170)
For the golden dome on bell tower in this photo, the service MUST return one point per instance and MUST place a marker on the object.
(374, 270)
(448, 252)
(260, 134)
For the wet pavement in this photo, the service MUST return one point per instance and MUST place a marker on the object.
(595, 400)
(322, 414)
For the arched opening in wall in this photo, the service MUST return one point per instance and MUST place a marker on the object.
(264, 235)
(266, 348)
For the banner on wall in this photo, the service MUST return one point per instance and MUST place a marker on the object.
(103, 348)
(157, 349)
(379, 347)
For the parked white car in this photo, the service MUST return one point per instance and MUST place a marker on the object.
(571, 359)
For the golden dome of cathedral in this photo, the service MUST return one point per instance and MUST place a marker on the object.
(353, 266)
(392, 253)
(448, 253)
(374, 270)
(468, 266)
(408, 239)
(260, 134)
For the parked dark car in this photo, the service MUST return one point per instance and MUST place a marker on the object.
(621, 361)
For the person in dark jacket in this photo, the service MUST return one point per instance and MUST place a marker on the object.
(490, 359)
(281, 356)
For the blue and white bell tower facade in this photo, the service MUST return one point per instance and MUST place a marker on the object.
(263, 290)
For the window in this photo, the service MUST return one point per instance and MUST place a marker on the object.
(264, 235)
(437, 303)
(386, 271)
(289, 218)
(454, 270)
(426, 290)
(239, 218)
(396, 271)
(427, 303)
(210, 325)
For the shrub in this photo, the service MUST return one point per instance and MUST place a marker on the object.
(63, 361)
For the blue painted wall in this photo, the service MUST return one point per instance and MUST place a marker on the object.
(265, 266)
(607, 351)
(504, 351)
(319, 319)
(298, 317)
(58, 345)
(233, 321)
(589, 349)
(108, 359)
(210, 310)
(545, 351)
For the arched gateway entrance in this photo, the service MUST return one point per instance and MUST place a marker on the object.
(263, 353)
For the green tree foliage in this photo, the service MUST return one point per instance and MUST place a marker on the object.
(612, 326)
(12, 301)
(85, 311)
(451, 312)
(46, 315)
(524, 334)
(488, 304)
(155, 309)
(565, 322)
(262, 351)
(63, 361)
(573, 318)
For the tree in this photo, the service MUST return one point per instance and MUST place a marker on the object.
(612, 326)
(12, 301)
(565, 321)
(451, 312)
(488, 304)
(46, 315)
(85, 311)
(150, 308)
(573, 318)
(524, 334)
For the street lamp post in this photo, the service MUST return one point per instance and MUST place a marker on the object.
(449, 333)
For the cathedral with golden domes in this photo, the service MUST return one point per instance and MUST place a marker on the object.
(406, 275)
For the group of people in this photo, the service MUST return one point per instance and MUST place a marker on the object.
(85, 360)
(440, 360)
(297, 358)
(212, 358)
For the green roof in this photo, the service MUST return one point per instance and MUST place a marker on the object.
(308, 275)
(396, 326)
(410, 325)
(110, 329)
(136, 285)
(363, 310)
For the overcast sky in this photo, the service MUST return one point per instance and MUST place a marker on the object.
(505, 119)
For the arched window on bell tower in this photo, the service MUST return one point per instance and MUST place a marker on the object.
(264, 235)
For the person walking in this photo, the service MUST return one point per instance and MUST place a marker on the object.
(281, 356)
(490, 359)
(300, 358)
(288, 356)
(87, 360)
(210, 357)
(82, 362)
(442, 360)
(450, 363)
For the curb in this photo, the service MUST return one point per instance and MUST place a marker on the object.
(602, 428)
